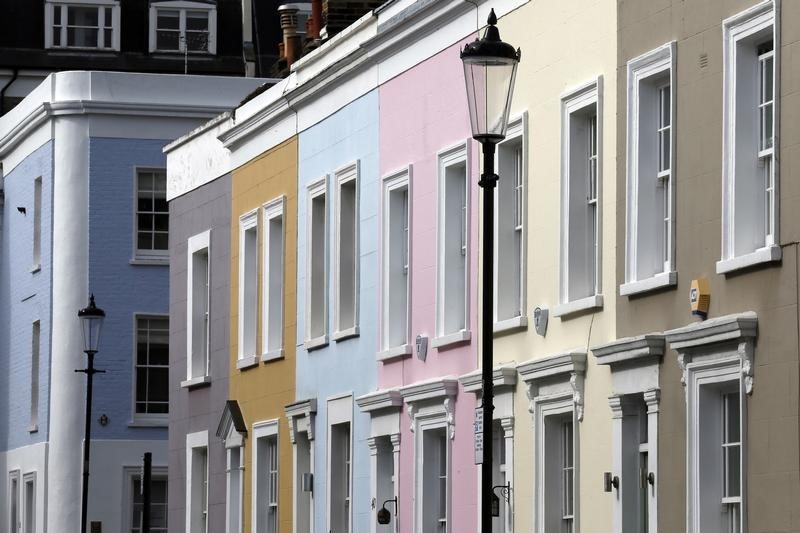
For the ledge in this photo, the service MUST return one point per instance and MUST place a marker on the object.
(453, 338)
(149, 423)
(765, 255)
(149, 261)
(36, 268)
(659, 281)
(196, 383)
(502, 376)
(243, 363)
(640, 349)
(725, 328)
(509, 325)
(313, 344)
(430, 390)
(272, 355)
(570, 308)
(345, 334)
(382, 399)
(404, 350)
(33, 428)
(555, 365)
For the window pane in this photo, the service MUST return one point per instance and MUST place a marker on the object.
(107, 17)
(144, 241)
(168, 19)
(197, 20)
(197, 41)
(82, 16)
(82, 37)
(733, 470)
(56, 36)
(57, 15)
(160, 241)
(167, 40)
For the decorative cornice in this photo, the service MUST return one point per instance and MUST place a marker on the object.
(304, 410)
(641, 349)
(231, 418)
(434, 389)
(726, 328)
(382, 399)
(546, 367)
(502, 376)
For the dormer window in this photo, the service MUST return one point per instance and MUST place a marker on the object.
(183, 27)
(92, 24)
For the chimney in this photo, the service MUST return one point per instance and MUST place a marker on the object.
(339, 14)
(315, 21)
(291, 50)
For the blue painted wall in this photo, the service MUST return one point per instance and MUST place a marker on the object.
(26, 298)
(121, 289)
(348, 366)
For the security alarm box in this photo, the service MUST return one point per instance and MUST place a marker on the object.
(700, 297)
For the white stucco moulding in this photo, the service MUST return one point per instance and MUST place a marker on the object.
(642, 348)
(301, 418)
(502, 376)
(570, 366)
(434, 395)
(381, 399)
(723, 337)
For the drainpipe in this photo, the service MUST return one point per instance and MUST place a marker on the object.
(14, 77)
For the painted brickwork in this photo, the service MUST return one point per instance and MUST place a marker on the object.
(27, 297)
(347, 366)
(199, 409)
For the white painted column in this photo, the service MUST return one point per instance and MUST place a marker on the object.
(651, 398)
(70, 292)
(373, 483)
(395, 438)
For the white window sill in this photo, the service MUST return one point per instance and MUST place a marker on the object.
(578, 306)
(345, 334)
(150, 261)
(273, 355)
(659, 281)
(160, 422)
(33, 428)
(318, 342)
(243, 363)
(404, 350)
(196, 383)
(768, 254)
(36, 268)
(453, 338)
(511, 324)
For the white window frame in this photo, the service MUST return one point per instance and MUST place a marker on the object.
(391, 183)
(234, 486)
(141, 255)
(197, 368)
(340, 411)
(350, 173)
(29, 478)
(643, 70)
(129, 474)
(196, 441)
(49, 17)
(183, 6)
(315, 190)
(14, 500)
(717, 353)
(36, 358)
(517, 133)
(248, 222)
(736, 32)
(573, 102)
(37, 225)
(267, 429)
(455, 155)
(273, 209)
(148, 419)
(301, 417)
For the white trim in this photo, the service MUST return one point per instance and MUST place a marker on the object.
(183, 6)
(248, 361)
(273, 209)
(454, 155)
(768, 254)
(654, 63)
(194, 441)
(586, 95)
(114, 5)
(578, 306)
(315, 189)
(404, 350)
(437, 415)
(512, 324)
(230, 479)
(263, 429)
(339, 411)
(143, 256)
(197, 243)
(247, 221)
(28, 477)
(453, 338)
(196, 383)
(350, 173)
(145, 419)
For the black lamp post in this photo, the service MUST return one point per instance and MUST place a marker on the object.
(91, 318)
(490, 67)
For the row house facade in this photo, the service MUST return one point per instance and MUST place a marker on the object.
(84, 211)
(352, 277)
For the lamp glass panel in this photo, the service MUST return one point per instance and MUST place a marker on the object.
(489, 82)
(91, 327)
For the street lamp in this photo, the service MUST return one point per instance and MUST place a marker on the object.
(490, 67)
(91, 318)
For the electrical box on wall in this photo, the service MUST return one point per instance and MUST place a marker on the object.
(700, 297)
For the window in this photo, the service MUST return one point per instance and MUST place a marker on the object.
(340, 456)
(750, 174)
(650, 196)
(580, 188)
(29, 503)
(634, 475)
(510, 229)
(37, 224)
(152, 214)
(197, 302)
(396, 259)
(265, 479)
(13, 502)
(89, 24)
(435, 486)
(248, 288)
(152, 367)
(158, 503)
(272, 327)
(317, 265)
(197, 482)
(453, 247)
(558, 485)
(235, 489)
(716, 358)
(347, 259)
(33, 423)
(185, 27)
